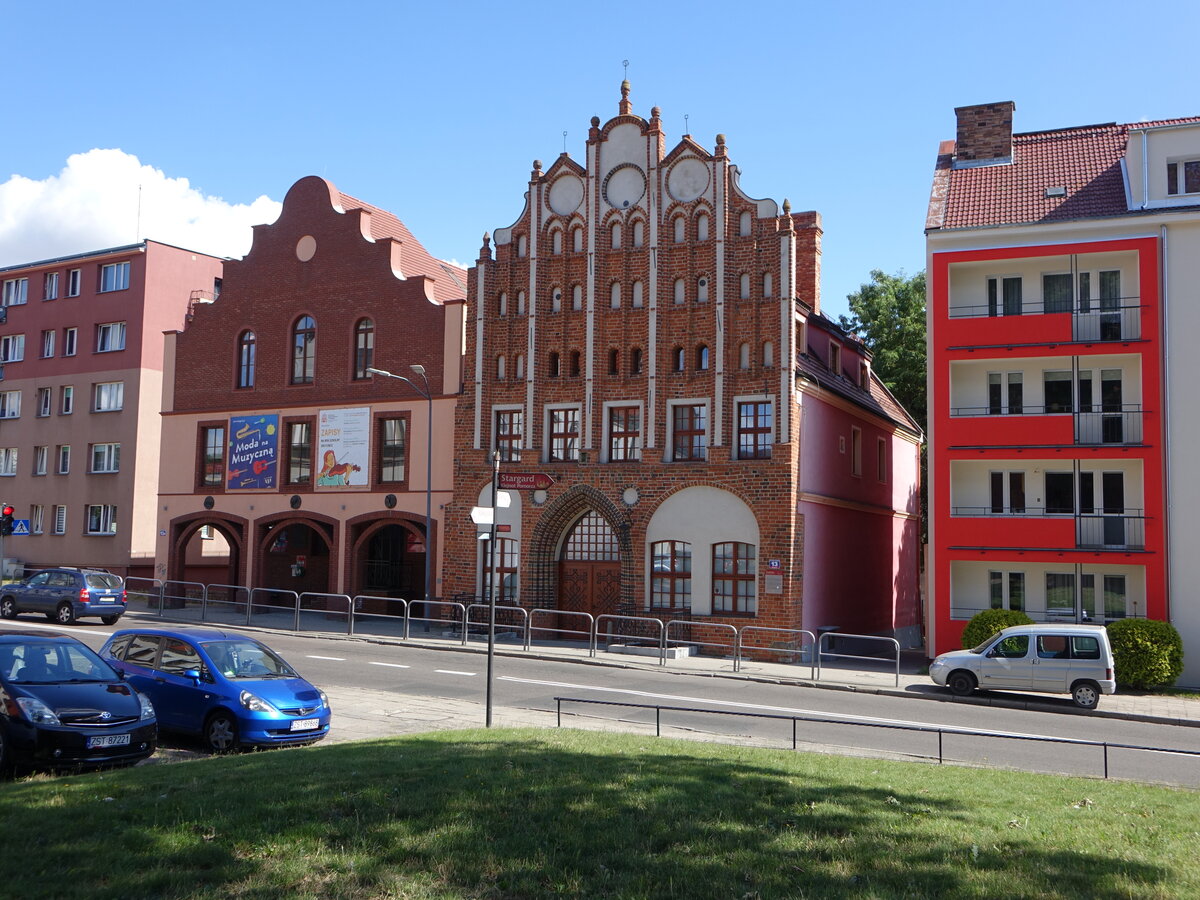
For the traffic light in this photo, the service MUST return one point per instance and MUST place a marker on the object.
(6, 520)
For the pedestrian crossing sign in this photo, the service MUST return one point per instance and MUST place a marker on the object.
(20, 526)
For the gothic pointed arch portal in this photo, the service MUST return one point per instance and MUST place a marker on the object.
(589, 568)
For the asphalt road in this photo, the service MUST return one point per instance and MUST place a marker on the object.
(420, 678)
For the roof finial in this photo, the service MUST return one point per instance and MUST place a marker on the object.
(626, 107)
(686, 133)
(564, 142)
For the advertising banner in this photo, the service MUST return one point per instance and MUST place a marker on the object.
(343, 448)
(253, 453)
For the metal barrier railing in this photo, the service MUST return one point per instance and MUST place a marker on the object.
(293, 607)
(701, 626)
(521, 612)
(460, 622)
(814, 658)
(212, 598)
(151, 592)
(388, 618)
(178, 594)
(821, 645)
(613, 617)
(590, 633)
(315, 596)
(940, 731)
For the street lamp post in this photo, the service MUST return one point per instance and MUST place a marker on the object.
(492, 586)
(428, 395)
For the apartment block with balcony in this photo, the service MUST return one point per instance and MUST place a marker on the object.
(1060, 262)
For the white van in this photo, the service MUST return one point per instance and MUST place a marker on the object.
(1056, 659)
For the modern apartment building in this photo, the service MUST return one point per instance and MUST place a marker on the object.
(82, 357)
(1063, 270)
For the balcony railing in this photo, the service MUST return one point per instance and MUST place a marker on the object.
(1110, 424)
(1125, 530)
(1118, 319)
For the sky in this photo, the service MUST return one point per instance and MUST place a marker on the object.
(187, 123)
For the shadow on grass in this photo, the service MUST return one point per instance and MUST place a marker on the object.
(531, 814)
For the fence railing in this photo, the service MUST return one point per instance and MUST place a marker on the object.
(825, 647)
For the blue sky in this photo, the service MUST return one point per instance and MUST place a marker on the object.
(436, 111)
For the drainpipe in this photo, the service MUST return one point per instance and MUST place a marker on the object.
(1145, 172)
(1165, 305)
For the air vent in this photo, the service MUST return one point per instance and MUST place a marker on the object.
(1055, 192)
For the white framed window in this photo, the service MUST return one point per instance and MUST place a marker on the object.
(16, 291)
(70, 341)
(12, 348)
(102, 519)
(64, 459)
(622, 431)
(109, 396)
(1006, 393)
(1183, 176)
(110, 336)
(37, 518)
(67, 400)
(41, 456)
(8, 460)
(1013, 597)
(114, 277)
(835, 358)
(10, 404)
(74, 280)
(60, 519)
(562, 432)
(48, 344)
(688, 424)
(106, 458)
(50, 286)
(755, 426)
(509, 432)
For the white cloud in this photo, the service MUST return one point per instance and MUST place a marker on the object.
(93, 203)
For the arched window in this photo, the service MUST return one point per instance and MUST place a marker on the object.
(614, 295)
(744, 356)
(680, 230)
(616, 236)
(614, 362)
(522, 245)
(364, 348)
(247, 352)
(577, 297)
(574, 363)
(744, 224)
(744, 286)
(556, 242)
(671, 575)
(552, 365)
(635, 361)
(500, 367)
(702, 227)
(304, 350)
(502, 304)
(519, 368)
(639, 233)
(768, 356)
(702, 357)
(679, 290)
(555, 299)
(733, 577)
(767, 284)
(577, 239)
(702, 289)
(638, 300)
(520, 303)
(678, 359)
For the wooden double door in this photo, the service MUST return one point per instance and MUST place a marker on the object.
(589, 569)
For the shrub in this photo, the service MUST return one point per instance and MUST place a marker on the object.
(990, 621)
(1146, 653)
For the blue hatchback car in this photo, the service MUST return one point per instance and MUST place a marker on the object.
(230, 689)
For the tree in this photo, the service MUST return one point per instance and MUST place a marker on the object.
(888, 315)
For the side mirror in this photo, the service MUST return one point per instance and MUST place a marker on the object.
(193, 674)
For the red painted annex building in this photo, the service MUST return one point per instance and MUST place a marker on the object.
(649, 336)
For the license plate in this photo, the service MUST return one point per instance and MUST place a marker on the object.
(108, 599)
(305, 724)
(107, 740)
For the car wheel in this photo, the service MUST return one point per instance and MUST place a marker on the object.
(8, 608)
(961, 683)
(221, 733)
(1086, 695)
(109, 620)
(65, 614)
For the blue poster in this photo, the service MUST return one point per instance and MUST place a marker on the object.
(253, 453)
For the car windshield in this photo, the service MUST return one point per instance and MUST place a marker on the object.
(244, 658)
(102, 580)
(983, 646)
(50, 662)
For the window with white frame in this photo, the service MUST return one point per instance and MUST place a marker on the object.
(689, 431)
(102, 519)
(733, 577)
(41, 456)
(1183, 176)
(8, 460)
(50, 286)
(756, 429)
(510, 429)
(12, 348)
(835, 358)
(106, 458)
(1004, 295)
(110, 336)
(64, 459)
(671, 575)
(10, 404)
(1006, 590)
(70, 341)
(60, 519)
(624, 433)
(67, 400)
(48, 344)
(564, 434)
(37, 518)
(16, 291)
(109, 396)
(74, 281)
(1006, 393)
(114, 277)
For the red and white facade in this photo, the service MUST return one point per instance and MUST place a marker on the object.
(1060, 264)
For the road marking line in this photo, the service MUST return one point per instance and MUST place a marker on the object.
(453, 672)
(390, 665)
(65, 629)
(331, 658)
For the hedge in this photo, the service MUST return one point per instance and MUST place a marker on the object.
(1146, 653)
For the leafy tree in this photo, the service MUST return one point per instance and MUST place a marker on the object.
(888, 315)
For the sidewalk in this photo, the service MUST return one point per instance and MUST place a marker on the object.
(879, 679)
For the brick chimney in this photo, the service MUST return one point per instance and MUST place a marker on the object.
(984, 132)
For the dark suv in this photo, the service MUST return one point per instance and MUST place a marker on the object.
(65, 594)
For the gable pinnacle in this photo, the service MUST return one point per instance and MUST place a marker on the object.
(626, 106)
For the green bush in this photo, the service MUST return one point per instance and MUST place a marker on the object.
(988, 622)
(1146, 653)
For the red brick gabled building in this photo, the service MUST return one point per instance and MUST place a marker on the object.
(642, 334)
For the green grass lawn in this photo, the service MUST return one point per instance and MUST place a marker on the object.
(528, 813)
